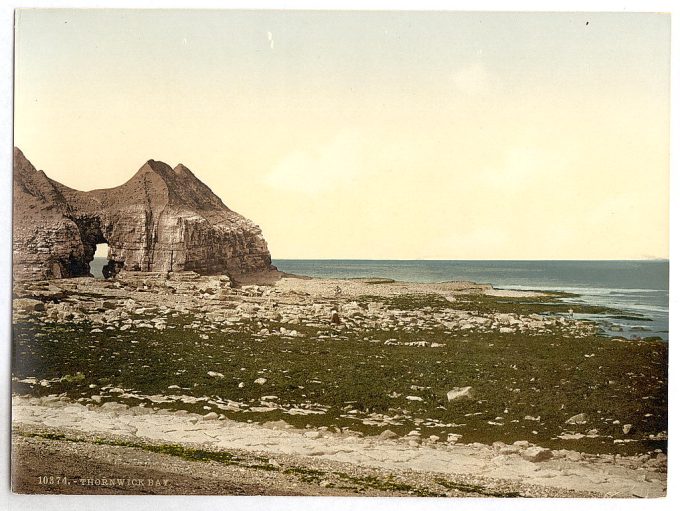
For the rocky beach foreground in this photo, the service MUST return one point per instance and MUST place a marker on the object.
(285, 385)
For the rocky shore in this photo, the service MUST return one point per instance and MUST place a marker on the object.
(312, 386)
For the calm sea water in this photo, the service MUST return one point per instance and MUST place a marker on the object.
(637, 287)
(96, 266)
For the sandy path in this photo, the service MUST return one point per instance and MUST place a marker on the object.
(604, 478)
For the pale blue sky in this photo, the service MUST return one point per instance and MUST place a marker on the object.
(440, 135)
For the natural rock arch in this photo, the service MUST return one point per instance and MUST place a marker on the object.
(162, 219)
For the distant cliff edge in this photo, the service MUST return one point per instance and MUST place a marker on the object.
(162, 219)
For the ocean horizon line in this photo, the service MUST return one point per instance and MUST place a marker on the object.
(648, 260)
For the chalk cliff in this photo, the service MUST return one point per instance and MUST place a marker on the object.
(162, 219)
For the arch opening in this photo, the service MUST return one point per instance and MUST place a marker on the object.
(101, 259)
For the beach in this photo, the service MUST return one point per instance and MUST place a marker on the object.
(452, 388)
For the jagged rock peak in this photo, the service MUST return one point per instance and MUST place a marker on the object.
(159, 167)
(182, 169)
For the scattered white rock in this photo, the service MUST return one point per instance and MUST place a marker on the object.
(457, 393)
(577, 419)
(571, 436)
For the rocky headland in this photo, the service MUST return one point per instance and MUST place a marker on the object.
(163, 219)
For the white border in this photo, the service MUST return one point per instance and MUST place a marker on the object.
(171, 503)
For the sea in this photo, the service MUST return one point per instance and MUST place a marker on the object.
(633, 287)
(636, 288)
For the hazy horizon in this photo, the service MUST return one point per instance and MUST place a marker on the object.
(370, 135)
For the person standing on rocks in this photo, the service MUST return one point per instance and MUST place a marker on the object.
(335, 316)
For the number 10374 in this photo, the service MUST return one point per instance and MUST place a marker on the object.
(52, 480)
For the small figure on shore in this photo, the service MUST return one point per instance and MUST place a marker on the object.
(335, 317)
(338, 291)
(571, 313)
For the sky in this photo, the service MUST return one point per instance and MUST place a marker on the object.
(370, 135)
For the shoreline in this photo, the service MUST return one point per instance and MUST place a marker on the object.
(252, 355)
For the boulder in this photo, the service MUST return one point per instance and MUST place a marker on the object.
(509, 449)
(578, 419)
(27, 304)
(112, 405)
(458, 393)
(388, 435)
(536, 454)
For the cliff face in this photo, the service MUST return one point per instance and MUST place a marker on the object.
(162, 219)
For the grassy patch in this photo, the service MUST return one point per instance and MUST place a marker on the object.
(476, 489)
(387, 484)
(48, 436)
(308, 475)
(551, 303)
(180, 451)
